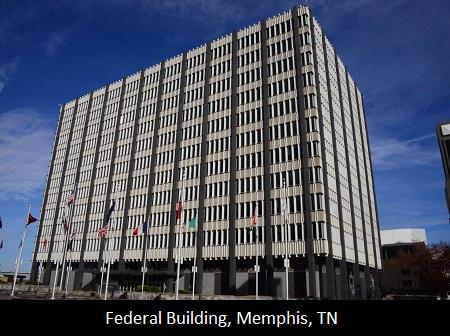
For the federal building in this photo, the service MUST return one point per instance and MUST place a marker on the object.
(238, 117)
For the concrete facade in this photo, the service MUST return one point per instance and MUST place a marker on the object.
(443, 134)
(239, 115)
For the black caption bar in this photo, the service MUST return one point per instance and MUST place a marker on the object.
(326, 317)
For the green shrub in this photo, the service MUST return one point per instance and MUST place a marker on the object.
(183, 291)
(148, 288)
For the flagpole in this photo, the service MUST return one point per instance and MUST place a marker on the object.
(40, 269)
(194, 268)
(56, 278)
(69, 231)
(19, 258)
(39, 275)
(285, 212)
(254, 150)
(107, 271)
(109, 258)
(69, 268)
(144, 270)
(286, 258)
(179, 238)
(179, 256)
(102, 269)
(144, 267)
(64, 248)
(257, 265)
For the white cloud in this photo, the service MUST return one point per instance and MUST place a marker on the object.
(56, 41)
(411, 197)
(26, 140)
(391, 153)
(6, 71)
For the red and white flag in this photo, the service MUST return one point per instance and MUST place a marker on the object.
(70, 199)
(102, 231)
(140, 229)
(180, 204)
(254, 216)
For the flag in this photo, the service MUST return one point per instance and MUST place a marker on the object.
(111, 209)
(142, 228)
(31, 219)
(180, 205)
(179, 208)
(254, 216)
(1, 224)
(136, 231)
(70, 199)
(102, 231)
(284, 208)
(69, 244)
(193, 223)
(65, 224)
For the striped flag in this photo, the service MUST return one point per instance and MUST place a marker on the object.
(102, 231)
(180, 205)
(141, 229)
(70, 199)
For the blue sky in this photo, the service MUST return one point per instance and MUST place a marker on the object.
(51, 52)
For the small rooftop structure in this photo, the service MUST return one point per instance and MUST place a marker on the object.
(403, 236)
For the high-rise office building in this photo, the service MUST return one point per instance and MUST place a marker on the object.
(443, 134)
(238, 116)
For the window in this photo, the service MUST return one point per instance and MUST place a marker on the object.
(319, 201)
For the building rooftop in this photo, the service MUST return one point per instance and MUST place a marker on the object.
(402, 236)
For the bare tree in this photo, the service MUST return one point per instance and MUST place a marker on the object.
(431, 265)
